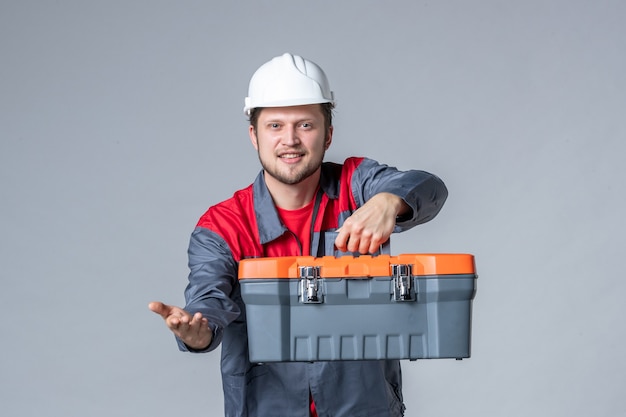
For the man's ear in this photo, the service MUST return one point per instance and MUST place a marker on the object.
(329, 138)
(253, 137)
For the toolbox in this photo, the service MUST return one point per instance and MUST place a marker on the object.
(411, 306)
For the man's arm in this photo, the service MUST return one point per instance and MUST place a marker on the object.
(198, 326)
(388, 200)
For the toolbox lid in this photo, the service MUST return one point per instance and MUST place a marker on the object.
(357, 267)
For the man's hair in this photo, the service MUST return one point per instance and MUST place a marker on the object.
(327, 111)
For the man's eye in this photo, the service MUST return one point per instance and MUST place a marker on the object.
(306, 125)
(274, 125)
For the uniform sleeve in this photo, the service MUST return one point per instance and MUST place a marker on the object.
(212, 283)
(424, 192)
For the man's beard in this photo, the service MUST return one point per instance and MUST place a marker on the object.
(293, 177)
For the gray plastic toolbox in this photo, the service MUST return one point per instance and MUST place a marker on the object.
(412, 306)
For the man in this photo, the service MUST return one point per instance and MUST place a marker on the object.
(298, 205)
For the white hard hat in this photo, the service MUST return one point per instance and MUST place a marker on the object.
(287, 80)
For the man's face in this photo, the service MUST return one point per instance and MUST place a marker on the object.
(291, 141)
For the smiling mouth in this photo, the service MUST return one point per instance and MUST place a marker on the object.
(291, 155)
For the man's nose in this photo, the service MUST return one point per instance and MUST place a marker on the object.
(291, 137)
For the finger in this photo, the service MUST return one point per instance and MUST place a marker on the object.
(197, 318)
(341, 241)
(198, 324)
(173, 322)
(367, 245)
(192, 327)
(203, 322)
(159, 308)
(186, 319)
(180, 324)
(155, 306)
(376, 242)
(177, 319)
(374, 247)
(364, 246)
(353, 243)
(188, 322)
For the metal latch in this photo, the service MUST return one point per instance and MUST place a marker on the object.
(402, 282)
(310, 285)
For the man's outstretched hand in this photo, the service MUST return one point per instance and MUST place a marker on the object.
(193, 330)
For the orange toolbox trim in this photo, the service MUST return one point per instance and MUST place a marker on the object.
(357, 267)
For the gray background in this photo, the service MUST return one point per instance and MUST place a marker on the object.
(121, 123)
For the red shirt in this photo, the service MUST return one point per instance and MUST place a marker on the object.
(298, 222)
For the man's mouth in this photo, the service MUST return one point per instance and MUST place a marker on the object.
(291, 155)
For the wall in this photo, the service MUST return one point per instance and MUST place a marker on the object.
(118, 121)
